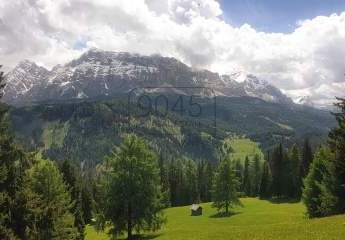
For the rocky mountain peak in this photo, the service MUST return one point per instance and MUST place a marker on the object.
(99, 73)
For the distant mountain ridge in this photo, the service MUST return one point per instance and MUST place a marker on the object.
(103, 73)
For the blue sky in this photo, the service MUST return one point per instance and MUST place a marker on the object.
(277, 15)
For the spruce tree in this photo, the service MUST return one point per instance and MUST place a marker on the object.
(87, 202)
(337, 145)
(74, 184)
(294, 178)
(225, 187)
(50, 203)
(266, 180)
(319, 191)
(256, 175)
(307, 158)
(247, 181)
(132, 189)
(277, 168)
(239, 173)
(191, 186)
(209, 183)
(13, 164)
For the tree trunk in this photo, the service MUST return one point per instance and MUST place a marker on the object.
(227, 207)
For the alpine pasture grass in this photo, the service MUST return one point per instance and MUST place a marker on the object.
(257, 219)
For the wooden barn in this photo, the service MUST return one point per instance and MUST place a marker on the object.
(196, 210)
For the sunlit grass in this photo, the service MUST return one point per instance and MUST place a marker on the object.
(257, 219)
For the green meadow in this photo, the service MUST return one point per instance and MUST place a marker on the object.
(257, 219)
(244, 147)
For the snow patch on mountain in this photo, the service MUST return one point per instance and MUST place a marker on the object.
(104, 73)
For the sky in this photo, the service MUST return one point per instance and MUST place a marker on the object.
(277, 15)
(298, 46)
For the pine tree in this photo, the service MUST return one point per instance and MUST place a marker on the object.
(307, 158)
(337, 145)
(74, 184)
(239, 173)
(164, 179)
(226, 185)
(191, 186)
(277, 166)
(294, 178)
(202, 178)
(266, 180)
(132, 189)
(87, 202)
(209, 171)
(247, 185)
(318, 193)
(256, 175)
(225, 188)
(50, 203)
(13, 165)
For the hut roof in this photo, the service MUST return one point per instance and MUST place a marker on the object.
(195, 207)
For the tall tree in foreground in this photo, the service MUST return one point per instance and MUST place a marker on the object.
(318, 193)
(50, 203)
(132, 189)
(13, 164)
(226, 185)
(73, 180)
(337, 145)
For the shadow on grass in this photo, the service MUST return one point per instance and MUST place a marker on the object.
(146, 236)
(224, 215)
(283, 200)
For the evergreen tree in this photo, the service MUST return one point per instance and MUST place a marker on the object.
(277, 166)
(239, 173)
(74, 184)
(50, 203)
(164, 179)
(13, 165)
(202, 179)
(132, 189)
(225, 186)
(307, 158)
(256, 175)
(265, 185)
(191, 185)
(79, 222)
(247, 185)
(209, 172)
(294, 179)
(318, 194)
(337, 145)
(87, 202)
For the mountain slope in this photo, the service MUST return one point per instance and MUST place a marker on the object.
(86, 131)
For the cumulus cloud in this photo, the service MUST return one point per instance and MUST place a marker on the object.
(308, 61)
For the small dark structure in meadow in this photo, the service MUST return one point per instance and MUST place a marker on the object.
(196, 210)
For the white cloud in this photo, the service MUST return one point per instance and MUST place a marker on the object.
(56, 31)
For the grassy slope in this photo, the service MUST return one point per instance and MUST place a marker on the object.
(243, 147)
(258, 219)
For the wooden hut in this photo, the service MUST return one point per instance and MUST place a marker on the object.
(196, 210)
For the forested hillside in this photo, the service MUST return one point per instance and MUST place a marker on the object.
(85, 132)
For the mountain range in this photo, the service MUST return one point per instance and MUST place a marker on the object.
(99, 73)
